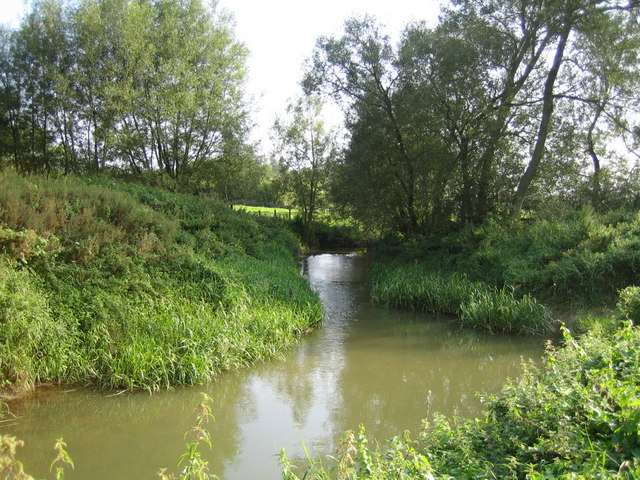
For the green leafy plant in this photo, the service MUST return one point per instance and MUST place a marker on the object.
(128, 287)
(191, 462)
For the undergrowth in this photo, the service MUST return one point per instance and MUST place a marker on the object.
(496, 275)
(576, 417)
(129, 287)
(584, 257)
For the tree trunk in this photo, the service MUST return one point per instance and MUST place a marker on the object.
(545, 122)
(591, 149)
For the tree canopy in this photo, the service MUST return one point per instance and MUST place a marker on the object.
(497, 104)
(136, 84)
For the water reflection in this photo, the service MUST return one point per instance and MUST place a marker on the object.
(366, 365)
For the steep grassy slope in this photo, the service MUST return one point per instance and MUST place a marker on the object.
(130, 287)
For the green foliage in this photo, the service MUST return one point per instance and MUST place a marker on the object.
(500, 310)
(582, 256)
(441, 126)
(629, 304)
(130, 84)
(475, 303)
(357, 459)
(193, 467)
(131, 287)
(576, 417)
(305, 152)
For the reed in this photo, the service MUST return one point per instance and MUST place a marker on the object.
(498, 310)
(475, 304)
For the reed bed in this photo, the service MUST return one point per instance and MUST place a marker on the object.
(474, 303)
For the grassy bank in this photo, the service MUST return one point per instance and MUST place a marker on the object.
(475, 304)
(123, 286)
(495, 276)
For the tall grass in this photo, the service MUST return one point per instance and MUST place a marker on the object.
(583, 257)
(498, 310)
(129, 287)
(475, 304)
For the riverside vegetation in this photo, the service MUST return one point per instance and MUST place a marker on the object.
(127, 287)
(576, 416)
(502, 110)
(492, 276)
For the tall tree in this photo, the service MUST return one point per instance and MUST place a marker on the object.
(358, 70)
(305, 150)
(564, 20)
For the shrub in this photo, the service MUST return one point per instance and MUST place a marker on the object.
(629, 303)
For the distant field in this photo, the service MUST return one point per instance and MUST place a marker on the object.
(320, 216)
(274, 212)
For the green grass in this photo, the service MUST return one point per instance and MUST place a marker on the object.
(129, 287)
(475, 304)
(269, 211)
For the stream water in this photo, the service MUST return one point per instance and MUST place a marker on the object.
(366, 365)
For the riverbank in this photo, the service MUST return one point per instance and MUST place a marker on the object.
(502, 276)
(366, 364)
(575, 417)
(127, 287)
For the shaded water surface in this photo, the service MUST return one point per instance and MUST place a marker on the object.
(367, 364)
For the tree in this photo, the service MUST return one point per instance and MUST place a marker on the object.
(579, 18)
(427, 121)
(358, 70)
(305, 151)
(133, 84)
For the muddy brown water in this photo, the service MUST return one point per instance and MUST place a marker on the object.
(367, 365)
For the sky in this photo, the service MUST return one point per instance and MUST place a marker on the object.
(280, 35)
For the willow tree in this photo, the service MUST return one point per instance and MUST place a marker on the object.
(383, 172)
